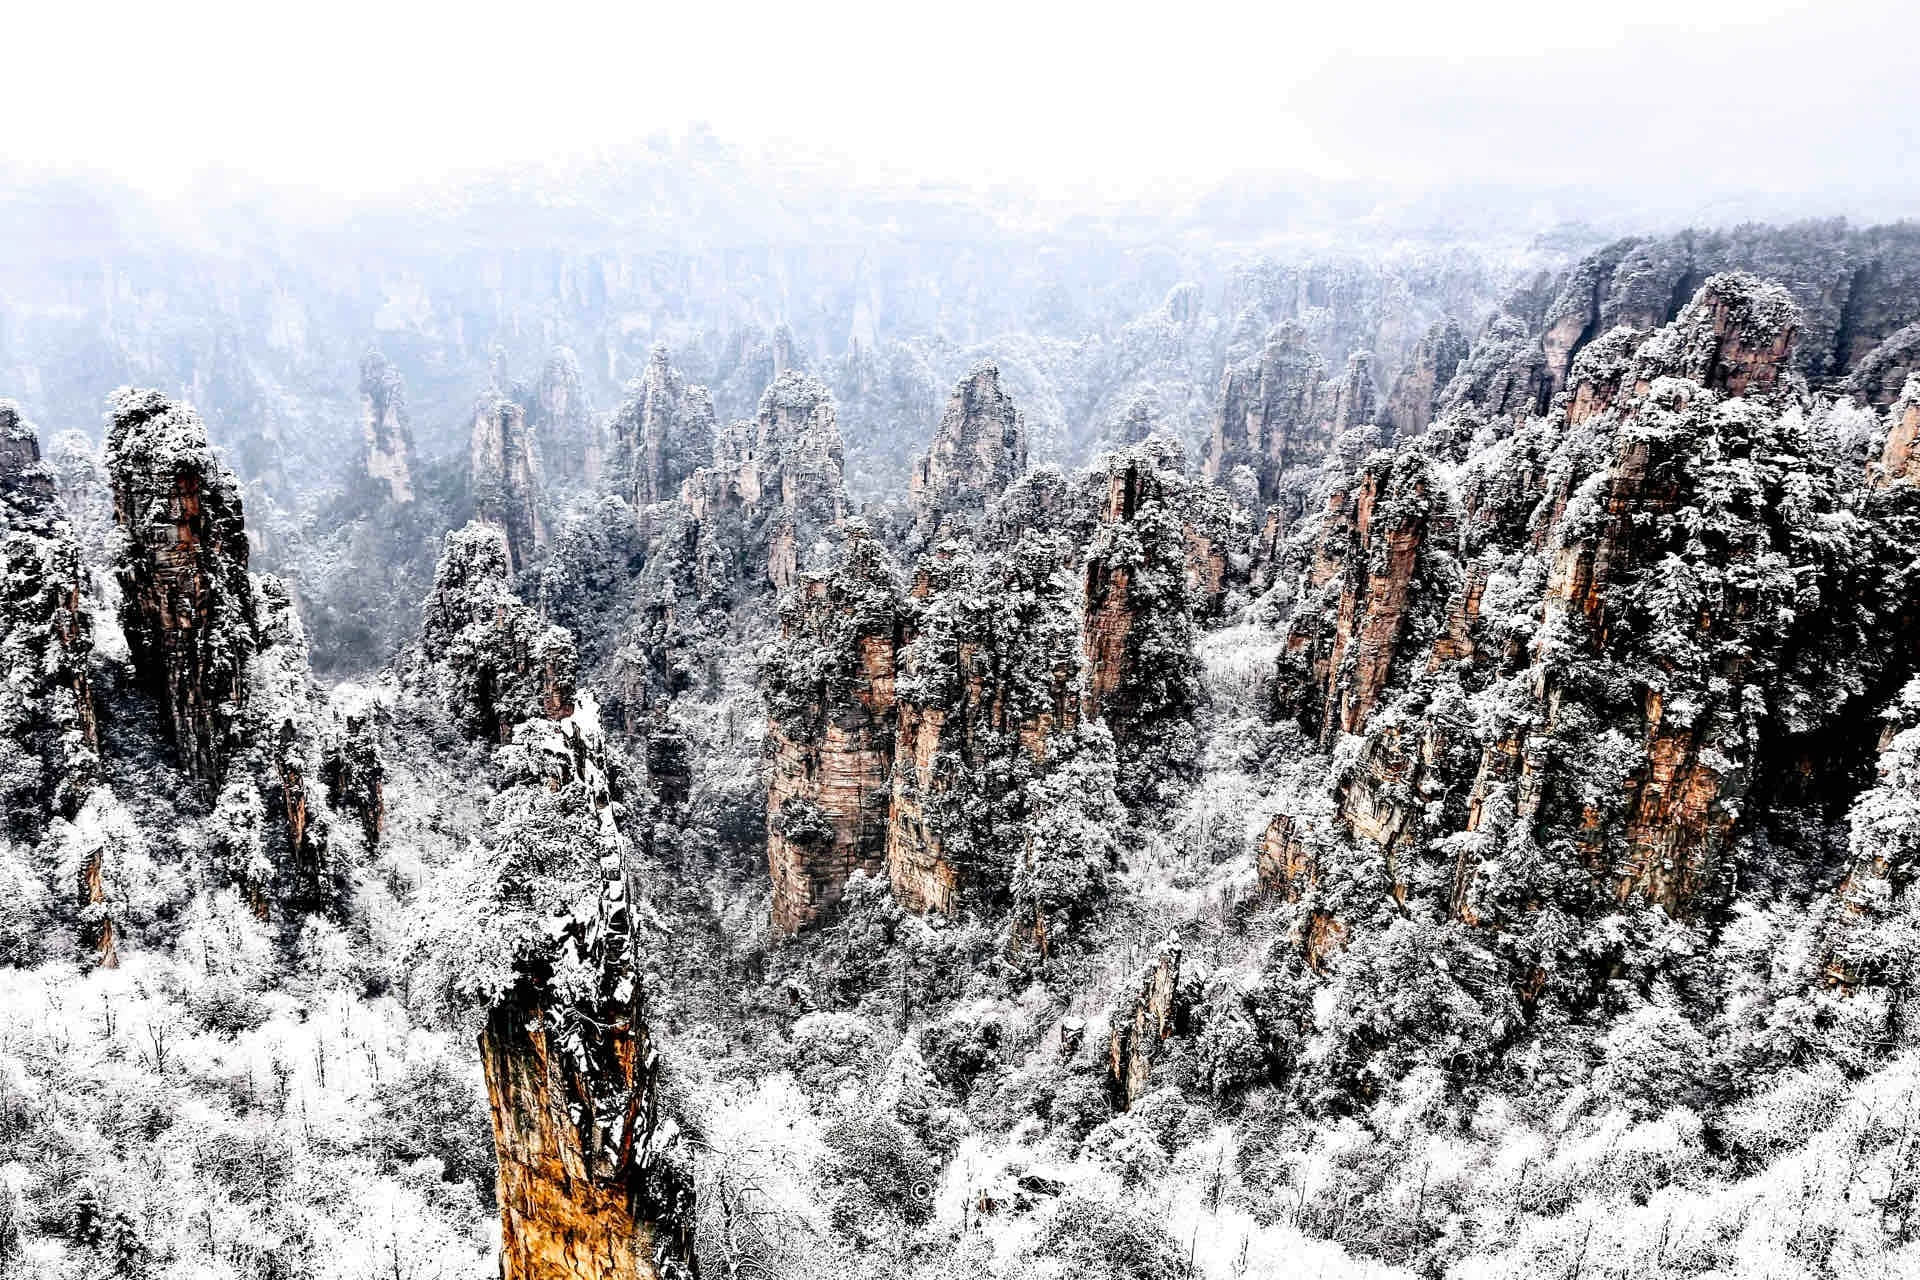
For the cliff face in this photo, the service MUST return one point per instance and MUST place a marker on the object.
(385, 433)
(1416, 391)
(48, 739)
(1279, 415)
(487, 657)
(1852, 289)
(1146, 575)
(589, 1187)
(1139, 1029)
(187, 605)
(563, 422)
(830, 731)
(1883, 372)
(979, 449)
(354, 773)
(989, 695)
(662, 433)
(1862, 942)
(506, 477)
(1505, 374)
(1268, 417)
(1897, 462)
(1556, 665)
(1363, 582)
(774, 488)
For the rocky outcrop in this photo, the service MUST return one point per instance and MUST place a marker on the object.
(1416, 391)
(1505, 374)
(1851, 288)
(566, 433)
(1364, 580)
(1900, 458)
(80, 482)
(1269, 412)
(355, 773)
(505, 477)
(1148, 566)
(488, 658)
(988, 692)
(829, 682)
(979, 449)
(49, 743)
(1279, 415)
(589, 1184)
(1551, 668)
(187, 605)
(386, 436)
(1882, 374)
(662, 433)
(1862, 939)
(774, 488)
(1142, 1027)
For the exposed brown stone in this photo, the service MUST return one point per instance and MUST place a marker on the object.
(830, 734)
(1140, 1028)
(1897, 461)
(187, 603)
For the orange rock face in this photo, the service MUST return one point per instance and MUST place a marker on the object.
(1897, 464)
(939, 748)
(1348, 658)
(830, 756)
(571, 1209)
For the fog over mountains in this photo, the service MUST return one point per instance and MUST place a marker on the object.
(1215, 650)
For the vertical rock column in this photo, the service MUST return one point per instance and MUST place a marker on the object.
(1142, 677)
(979, 449)
(830, 732)
(662, 433)
(588, 1185)
(187, 605)
(505, 477)
(386, 437)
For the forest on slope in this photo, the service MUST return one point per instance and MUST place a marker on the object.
(959, 754)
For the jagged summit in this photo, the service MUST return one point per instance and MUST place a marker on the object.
(979, 448)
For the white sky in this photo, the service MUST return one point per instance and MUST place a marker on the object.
(363, 96)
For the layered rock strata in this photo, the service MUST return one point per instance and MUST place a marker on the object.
(830, 731)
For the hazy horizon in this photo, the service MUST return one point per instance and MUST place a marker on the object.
(1768, 109)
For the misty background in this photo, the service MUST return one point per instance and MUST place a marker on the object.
(237, 205)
